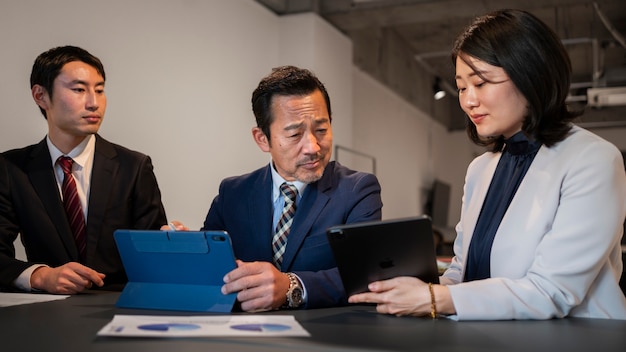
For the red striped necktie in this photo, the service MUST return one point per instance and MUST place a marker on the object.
(73, 208)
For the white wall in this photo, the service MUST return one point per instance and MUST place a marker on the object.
(180, 74)
(411, 149)
(308, 41)
(179, 79)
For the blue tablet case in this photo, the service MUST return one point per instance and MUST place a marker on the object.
(172, 270)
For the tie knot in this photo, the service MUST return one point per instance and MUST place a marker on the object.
(289, 192)
(66, 164)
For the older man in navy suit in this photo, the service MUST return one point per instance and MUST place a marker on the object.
(112, 187)
(293, 116)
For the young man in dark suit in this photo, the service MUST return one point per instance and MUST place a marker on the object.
(293, 115)
(110, 187)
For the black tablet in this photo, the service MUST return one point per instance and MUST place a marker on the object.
(379, 250)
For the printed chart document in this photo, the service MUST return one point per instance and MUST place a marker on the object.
(202, 326)
(13, 299)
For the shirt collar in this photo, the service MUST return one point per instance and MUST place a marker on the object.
(278, 180)
(520, 144)
(80, 154)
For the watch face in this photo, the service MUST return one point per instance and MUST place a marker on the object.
(295, 292)
(297, 295)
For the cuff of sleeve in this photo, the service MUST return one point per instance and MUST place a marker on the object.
(23, 281)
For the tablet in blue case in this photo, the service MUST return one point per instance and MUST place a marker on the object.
(172, 270)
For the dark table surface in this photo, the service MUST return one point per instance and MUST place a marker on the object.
(72, 324)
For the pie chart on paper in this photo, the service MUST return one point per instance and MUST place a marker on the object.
(168, 327)
(261, 327)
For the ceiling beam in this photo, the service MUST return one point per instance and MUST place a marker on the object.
(394, 13)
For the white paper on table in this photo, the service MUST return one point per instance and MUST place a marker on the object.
(14, 299)
(201, 326)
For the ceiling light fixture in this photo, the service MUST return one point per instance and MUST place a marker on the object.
(438, 91)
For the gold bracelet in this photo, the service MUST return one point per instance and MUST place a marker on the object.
(433, 305)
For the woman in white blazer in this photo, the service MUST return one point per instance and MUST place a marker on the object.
(543, 209)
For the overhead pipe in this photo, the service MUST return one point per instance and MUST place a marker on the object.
(609, 26)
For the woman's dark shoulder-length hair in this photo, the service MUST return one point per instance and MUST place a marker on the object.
(535, 60)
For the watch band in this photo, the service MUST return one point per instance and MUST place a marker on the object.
(295, 292)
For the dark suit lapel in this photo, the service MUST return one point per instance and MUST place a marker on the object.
(41, 175)
(261, 214)
(313, 202)
(105, 166)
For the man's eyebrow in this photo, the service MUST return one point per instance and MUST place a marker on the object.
(299, 125)
(321, 120)
(293, 126)
(79, 81)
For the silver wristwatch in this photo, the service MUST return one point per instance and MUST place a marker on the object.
(295, 292)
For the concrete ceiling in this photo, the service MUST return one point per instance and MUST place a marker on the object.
(405, 44)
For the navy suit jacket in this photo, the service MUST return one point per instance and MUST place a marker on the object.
(124, 194)
(244, 208)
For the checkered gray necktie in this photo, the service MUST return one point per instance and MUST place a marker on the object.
(279, 241)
